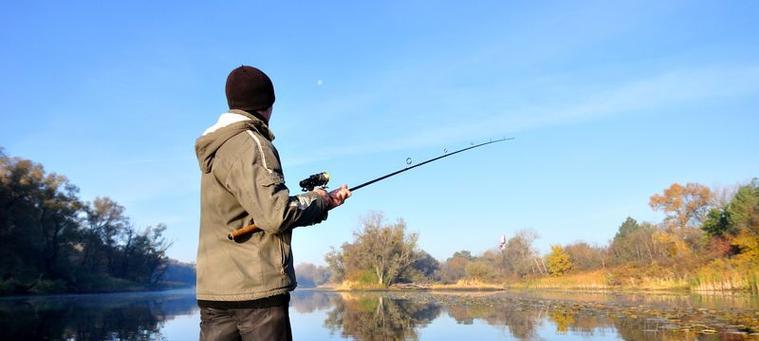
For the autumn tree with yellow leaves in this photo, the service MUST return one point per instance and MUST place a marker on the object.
(685, 206)
(558, 261)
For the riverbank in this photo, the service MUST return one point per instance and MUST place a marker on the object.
(105, 286)
(704, 281)
(712, 278)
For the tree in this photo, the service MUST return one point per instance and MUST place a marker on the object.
(454, 268)
(584, 256)
(718, 224)
(52, 241)
(629, 226)
(424, 268)
(480, 270)
(558, 261)
(38, 220)
(107, 223)
(335, 264)
(144, 255)
(633, 243)
(685, 206)
(310, 275)
(381, 250)
(465, 254)
(743, 210)
(743, 213)
(518, 256)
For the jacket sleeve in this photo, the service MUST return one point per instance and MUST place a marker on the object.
(259, 186)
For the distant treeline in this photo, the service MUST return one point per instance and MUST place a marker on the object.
(52, 241)
(709, 240)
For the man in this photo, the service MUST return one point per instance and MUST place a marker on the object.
(243, 285)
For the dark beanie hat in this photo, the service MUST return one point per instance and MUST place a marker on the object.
(249, 89)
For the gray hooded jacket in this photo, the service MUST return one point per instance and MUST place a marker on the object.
(241, 184)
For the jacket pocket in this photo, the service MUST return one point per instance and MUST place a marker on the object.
(282, 252)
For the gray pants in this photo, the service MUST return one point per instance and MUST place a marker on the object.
(271, 323)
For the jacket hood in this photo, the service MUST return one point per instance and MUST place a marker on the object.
(228, 125)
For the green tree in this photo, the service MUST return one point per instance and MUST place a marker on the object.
(558, 261)
(717, 223)
(629, 226)
(743, 210)
(52, 241)
(144, 255)
(107, 223)
(39, 221)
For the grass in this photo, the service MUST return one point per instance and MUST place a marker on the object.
(593, 280)
(718, 276)
(466, 284)
(721, 275)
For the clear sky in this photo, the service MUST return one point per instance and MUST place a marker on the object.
(609, 102)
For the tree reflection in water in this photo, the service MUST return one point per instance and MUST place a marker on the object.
(401, 315)
(138, 316)
(397, 315)
(379, 317)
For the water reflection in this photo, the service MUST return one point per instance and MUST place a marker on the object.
(138, 316)
(318, 315)
(528, 316)
(378, 317)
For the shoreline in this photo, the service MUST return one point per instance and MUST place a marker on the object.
(612, 291)
(427, 288)
(82, 294)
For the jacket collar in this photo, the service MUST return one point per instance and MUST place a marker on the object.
(235, 116)
(256, 122)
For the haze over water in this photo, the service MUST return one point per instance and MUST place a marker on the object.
(324, 315)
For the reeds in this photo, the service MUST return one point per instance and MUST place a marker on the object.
(725, 276)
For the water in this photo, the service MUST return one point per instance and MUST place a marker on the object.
(323, 315)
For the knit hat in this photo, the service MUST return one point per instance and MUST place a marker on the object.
(249, 89)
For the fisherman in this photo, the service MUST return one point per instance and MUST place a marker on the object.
(243, 285)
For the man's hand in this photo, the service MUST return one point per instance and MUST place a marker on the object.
(339, 195)
(336, 197)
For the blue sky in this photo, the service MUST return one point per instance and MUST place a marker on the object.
(609, 102)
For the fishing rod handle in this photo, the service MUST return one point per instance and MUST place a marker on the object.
(242, 231)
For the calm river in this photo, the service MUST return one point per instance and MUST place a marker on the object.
(324, 315)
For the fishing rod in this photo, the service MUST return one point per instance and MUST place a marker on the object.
(408, 161)
(321, 179)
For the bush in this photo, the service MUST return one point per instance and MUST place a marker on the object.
(365, 277)
(10, 287)
(480, 270)
(46, 286)
(558, 261)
